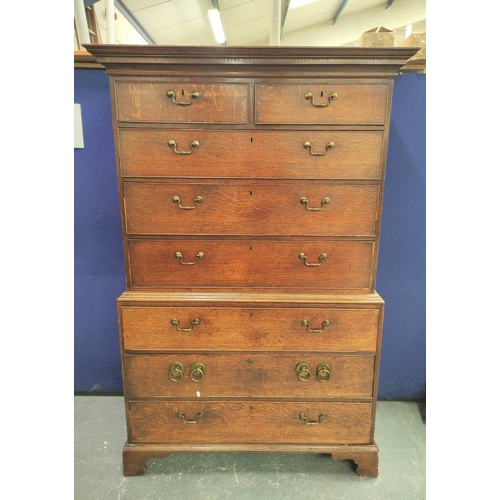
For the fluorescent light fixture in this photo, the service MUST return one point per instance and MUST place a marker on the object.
(299, 3)
(216, 22)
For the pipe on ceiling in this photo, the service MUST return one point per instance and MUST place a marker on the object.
(81, 23)
(110, 21)
(339, 11)
(275, 23)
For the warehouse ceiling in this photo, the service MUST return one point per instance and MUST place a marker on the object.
(247, 22)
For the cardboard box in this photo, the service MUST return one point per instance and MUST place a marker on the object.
(415, 40)
(376, 37)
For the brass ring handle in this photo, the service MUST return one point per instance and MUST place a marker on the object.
(193, 145)
(193, 95)
(310, 97)
(197, 372)
(195, 322)
(303, 256)
(199, 255)
(306, 323)
(324, 372)
(176, 371)
(195, 421)
(303, 371)
(308, 145)
(305, 201)
(321, 417)
(198, 199)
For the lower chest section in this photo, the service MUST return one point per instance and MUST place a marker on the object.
(244, 372)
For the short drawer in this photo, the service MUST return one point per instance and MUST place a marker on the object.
(260, 263)
(225, 209)
(321, 103)
(177, 102)
(256, 329)
(250, 422)
(278, 375)
(271, 154)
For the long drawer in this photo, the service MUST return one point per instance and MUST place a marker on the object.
(330, 102)
(216, 328)
(215, 374)
(182, 102)
(251, 154)
(250, 421)
(251, 263)
(272, 209)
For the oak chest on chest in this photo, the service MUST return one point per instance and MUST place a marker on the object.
(251, 183)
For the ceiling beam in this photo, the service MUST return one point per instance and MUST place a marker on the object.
(339, 11)
(134, 22)
(283, 20)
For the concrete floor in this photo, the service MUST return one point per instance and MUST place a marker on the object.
(100, 435)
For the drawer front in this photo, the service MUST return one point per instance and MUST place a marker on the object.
(249, 375)
(257, 329)
(236, 263)
(254, 422)
(278, 209)
(160, 102)
(349, 104)
(251, 154)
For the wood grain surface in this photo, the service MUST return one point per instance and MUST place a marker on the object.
(264, 263)
(254, 329)
(249, 422)
(147, 102)
(355, 104)
(251, 154)
(243, 375)
(271, 209)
